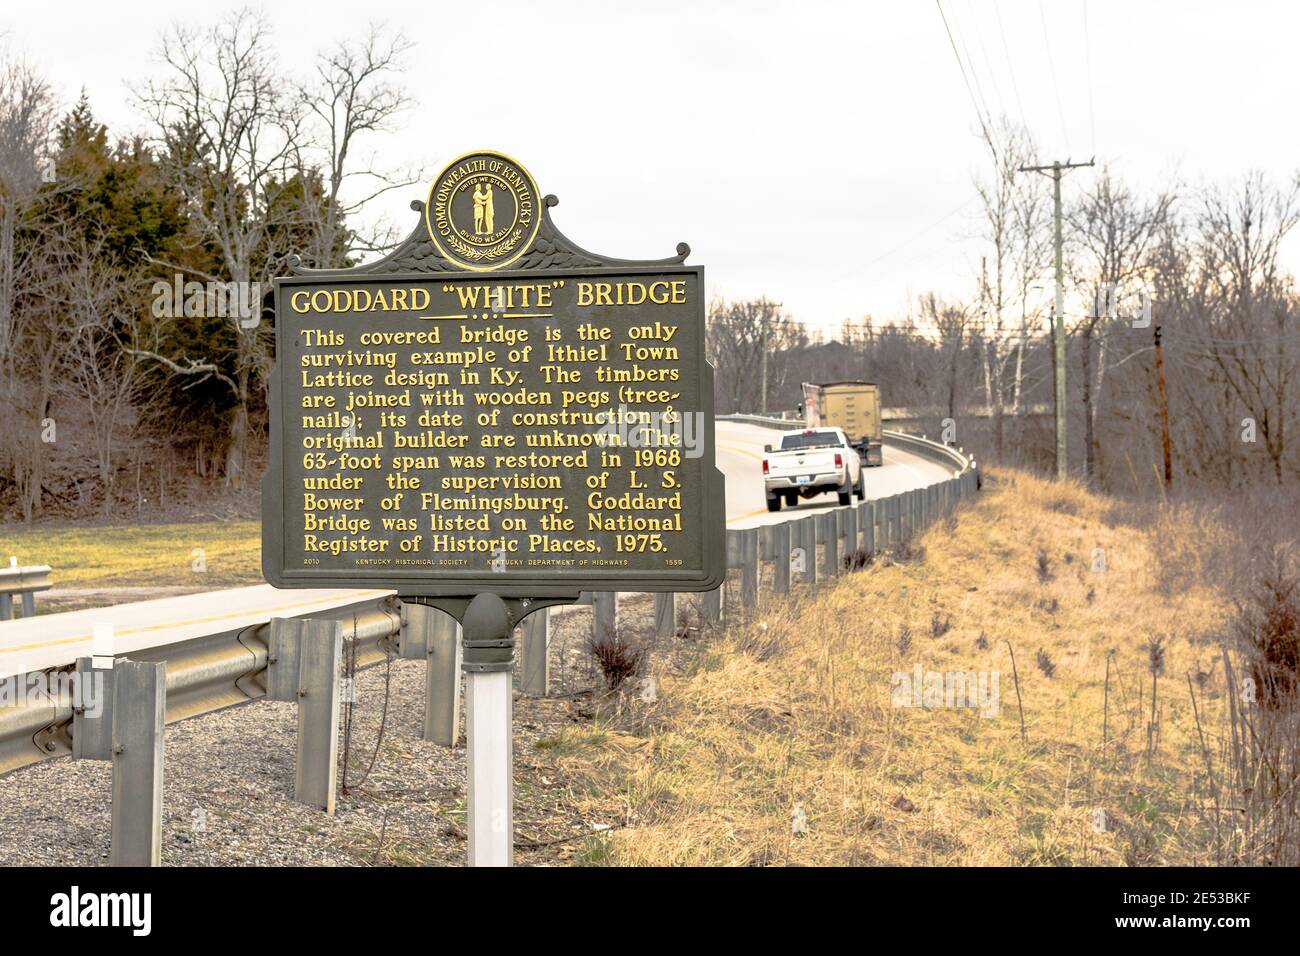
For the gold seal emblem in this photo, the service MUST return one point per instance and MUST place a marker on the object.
(483, 211)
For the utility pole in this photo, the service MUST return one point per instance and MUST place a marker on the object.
(1164, 413)
(768, 309)
(1058, 316)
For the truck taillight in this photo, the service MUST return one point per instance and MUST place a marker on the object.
(765, 466)
(839, 460)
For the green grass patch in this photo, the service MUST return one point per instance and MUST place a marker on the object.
(164, 555)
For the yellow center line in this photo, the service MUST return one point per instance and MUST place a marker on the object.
(741, 451)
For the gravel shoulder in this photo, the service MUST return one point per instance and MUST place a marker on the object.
(228, 780)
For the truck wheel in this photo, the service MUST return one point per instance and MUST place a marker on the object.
(773, 504)
(791, 499)
(862, 486)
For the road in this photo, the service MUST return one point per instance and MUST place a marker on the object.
(56, 639)
(740, 456)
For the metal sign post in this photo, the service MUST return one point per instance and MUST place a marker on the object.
(489, 653)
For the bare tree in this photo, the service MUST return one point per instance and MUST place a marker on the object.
(26, 120)
(1111, 232)
(94, 305)
(1012, 228)
(951, 323)
(228, 133)
(738, 333)
(1248, 330)
(352, 94)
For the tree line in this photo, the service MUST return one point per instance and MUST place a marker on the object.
(1198, 265)
(131, 270)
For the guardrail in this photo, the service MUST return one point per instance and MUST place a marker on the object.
(217, 669)
(22, 583)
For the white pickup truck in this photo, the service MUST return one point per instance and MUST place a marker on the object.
(810, 462)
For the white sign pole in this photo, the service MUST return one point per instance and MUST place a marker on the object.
(489, 709)
(487, 660)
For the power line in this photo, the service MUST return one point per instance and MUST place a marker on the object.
(993, 74)
(970, 61)
(1051, 64)
(988, 138)
(1010, 68)
(858, 270)
(1087, 53)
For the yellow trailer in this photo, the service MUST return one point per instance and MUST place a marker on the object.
(852, 407)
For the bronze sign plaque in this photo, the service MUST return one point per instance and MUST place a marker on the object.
(493, 409)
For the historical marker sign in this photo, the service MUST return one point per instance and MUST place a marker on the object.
(493, 409)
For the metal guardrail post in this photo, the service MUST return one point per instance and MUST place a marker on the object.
(442, 690)
(139, 704)
(413, 637)
(711, 606)
(830, 528)
(851, 544)
(535, 663)
(806, 534)
(665, 614)
(749, 569)
(604, 614)
(92, 733)
(781, 557)
(433, 636)
(867, 522)
(303, 665)
(318, 713)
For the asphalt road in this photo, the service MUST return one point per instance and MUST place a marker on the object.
(740, 456)
(55, 639)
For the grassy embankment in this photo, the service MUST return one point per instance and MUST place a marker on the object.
(121, 556)
(789, 717)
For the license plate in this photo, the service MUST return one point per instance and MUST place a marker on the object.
(804, 479)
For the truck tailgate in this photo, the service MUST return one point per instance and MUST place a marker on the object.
(811, 461)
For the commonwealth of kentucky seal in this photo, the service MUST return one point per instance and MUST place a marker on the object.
(483, 211)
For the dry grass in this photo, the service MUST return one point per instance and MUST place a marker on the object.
(792, 715)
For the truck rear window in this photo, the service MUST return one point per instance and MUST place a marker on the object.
(814, 440)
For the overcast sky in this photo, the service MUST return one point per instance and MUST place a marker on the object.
(820, 153)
